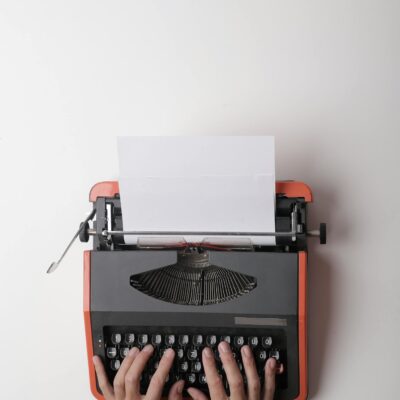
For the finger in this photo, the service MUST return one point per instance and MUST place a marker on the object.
(196, 394)
(104, 385)
(253, 381)
(233, 374)
(157, 382)
(119, 381)
(214, 380)
(175, 393)
(269, 389)
(132, 377)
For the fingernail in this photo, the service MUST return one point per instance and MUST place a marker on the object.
(169, 353)
(208, 353)
(271, 363)
(133, 351)
(180, 387)
(224, 347)
(246, 351)
(148, 348)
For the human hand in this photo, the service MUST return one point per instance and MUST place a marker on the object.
(234, 377)
(126, 385)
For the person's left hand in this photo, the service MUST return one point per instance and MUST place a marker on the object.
(126, 385)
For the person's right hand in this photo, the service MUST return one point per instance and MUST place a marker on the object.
(234, 377)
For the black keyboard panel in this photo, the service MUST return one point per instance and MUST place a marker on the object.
(188, 344)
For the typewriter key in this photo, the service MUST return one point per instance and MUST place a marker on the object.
(197, 340)
(115, 364)
(238, 341)
(143, 339)
(253, 341)
(124, 352)
(129, 338)
(266, 341)
(261, 355)
(179, 353)
(156, 340)
(183, 340)
(116, 338)
(202, 379)
(169, 340)
(196, 366)
(226, 339)
(211, 340)
(192, 354)
(274, 354)
(183, 366)
(191, 378)
(111, 352)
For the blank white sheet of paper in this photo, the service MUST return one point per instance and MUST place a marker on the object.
(198, 184)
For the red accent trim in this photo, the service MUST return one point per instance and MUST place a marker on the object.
(88, 323)
(103, 189)
(294, 189)
(303, 377)
(288, 188)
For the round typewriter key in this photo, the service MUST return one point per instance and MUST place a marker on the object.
(183, 340)
(261, 355)
(197, 340)
(240, 366)
(266, 341)
(169, 340)
(202, 379)
(111, 352)
(124, 352)
(183, 366)
(253, 341)
(129, 338)
(211, 340)
(116, 338)
(238, 341)
(226, 339)
(274, 354)
(196, 366)
(115, 364)
(192, 354)
(143, 339)
(191, 378)
(156, 340)
(179, 353)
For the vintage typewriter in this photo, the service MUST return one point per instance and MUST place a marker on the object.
(187, 296)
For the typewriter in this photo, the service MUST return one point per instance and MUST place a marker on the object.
(187, 296)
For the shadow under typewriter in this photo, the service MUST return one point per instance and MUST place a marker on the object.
(193, 281)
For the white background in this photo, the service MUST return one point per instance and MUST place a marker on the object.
(322, 76)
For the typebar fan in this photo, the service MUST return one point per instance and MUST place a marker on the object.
(193, 281)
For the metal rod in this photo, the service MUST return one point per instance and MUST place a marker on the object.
(54, 265)
(175, 233)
